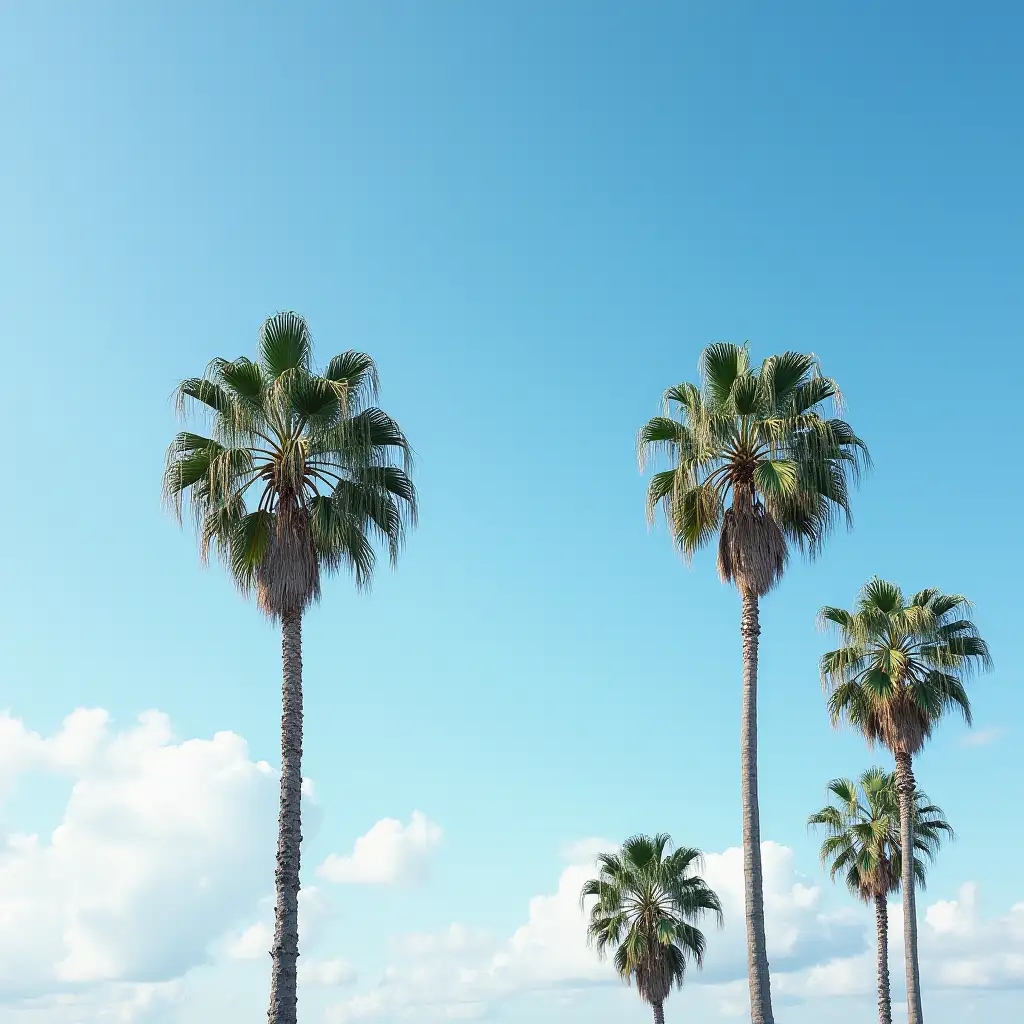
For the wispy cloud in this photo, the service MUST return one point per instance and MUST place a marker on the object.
(982, 737)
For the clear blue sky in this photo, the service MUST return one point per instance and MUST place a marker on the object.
(533, 215)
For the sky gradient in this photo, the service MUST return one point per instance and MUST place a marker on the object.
(533, 216)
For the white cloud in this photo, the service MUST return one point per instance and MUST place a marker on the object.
(982, 737)
(389, 853)
(252, 944)
(816, 954)
(549, 951)
(800, 930)
(162, 847)
(73, 747)
(584, 852)
(327, 973)
(960, 949)
(456, 938)
(111, 1003)
(254, 941)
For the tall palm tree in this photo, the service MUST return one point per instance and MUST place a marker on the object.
(862, 843)
(901, 667)
(757, 463)
(295, 478)
(648, 903)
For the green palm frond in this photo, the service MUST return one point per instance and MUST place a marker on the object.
(355, 379)
(697, 516)
(721, 365)
(285, 344)
(752, 443)
(862, 833)
(646, 904)
(903, 663)
(296, 474)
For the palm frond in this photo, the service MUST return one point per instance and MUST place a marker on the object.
(752, 447)
(285, 344)
(355, 379)
(721, 364)
(862, 833)
(645, 905)
(904, 662)
(296, 474)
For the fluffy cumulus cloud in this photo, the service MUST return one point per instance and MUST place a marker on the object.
(961, 949)
(816, 953)
(253, 941)
(112, 1003)
(160, 864)
(327, 973)
(161, 848)
(800, 928)
(389, 853)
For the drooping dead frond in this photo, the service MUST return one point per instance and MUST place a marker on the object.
(655, 973)
(288, 578)
(752, 550)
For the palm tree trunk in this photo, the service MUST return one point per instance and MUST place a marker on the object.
(753, 886)
(285, 951)
(882, 927)
(906, 786)
(659, 1013)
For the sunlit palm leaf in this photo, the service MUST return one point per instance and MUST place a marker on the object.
(289, 453)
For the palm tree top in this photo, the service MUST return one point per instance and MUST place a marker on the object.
(903, 662)
(298, 471)
(862, 833)
(757, 460)
(648, 898)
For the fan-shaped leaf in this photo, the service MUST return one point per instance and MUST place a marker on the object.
(285, 344)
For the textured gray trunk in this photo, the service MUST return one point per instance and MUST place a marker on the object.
(882, 927)
(753, 886)
(659, 1013)
(906, 786)
(285, 951)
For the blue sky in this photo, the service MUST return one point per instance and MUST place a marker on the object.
(533, 216)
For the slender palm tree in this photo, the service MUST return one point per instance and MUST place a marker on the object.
(648, 903)
(756, 462)
(297, 475)
(862, 843)
(901, 667)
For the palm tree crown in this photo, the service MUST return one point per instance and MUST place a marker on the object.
(647, 902)
(298, 473)
(862, 834)
(756, 461)
(903, 663)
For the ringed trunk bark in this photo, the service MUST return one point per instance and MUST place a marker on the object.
(659, 1013)
(882, 928)
(753, 886)
(906, 785)
(285, 951)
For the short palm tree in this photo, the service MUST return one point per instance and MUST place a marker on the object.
(296, 476)
(757, 463)
(901, 667)
(648, 903)
(862, 844)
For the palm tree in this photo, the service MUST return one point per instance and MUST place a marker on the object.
(862, 843)
(648, 901)
(901, 667)
(295, 479)
(758, 464)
